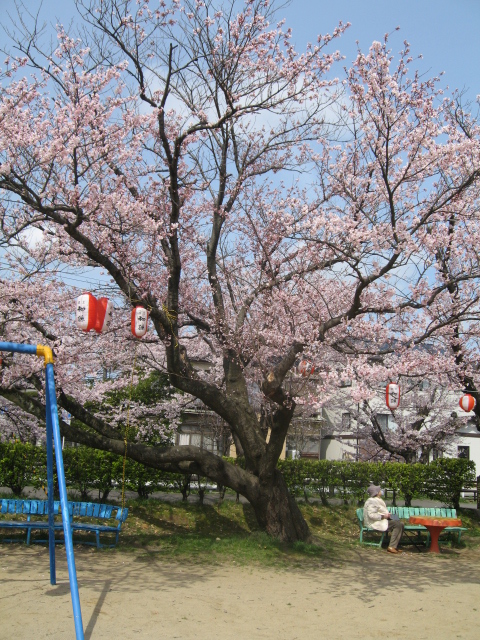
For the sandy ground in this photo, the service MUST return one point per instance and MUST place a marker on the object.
(127, 595)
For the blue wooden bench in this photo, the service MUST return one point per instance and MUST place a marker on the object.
(32, 515)
(404, 513)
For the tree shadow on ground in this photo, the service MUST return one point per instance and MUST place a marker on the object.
(182, 519)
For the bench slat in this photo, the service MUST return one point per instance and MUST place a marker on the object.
(76, 509)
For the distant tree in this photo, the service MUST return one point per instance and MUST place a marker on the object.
(424, 422)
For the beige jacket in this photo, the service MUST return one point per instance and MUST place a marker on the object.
(372, 514)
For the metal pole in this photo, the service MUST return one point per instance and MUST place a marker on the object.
(18, 348)
(53, 423)
(67, 529)
(50, 490)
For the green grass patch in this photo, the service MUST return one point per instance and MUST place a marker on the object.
(471, 521)
(228, 532)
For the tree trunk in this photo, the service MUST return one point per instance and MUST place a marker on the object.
(185, 487)
(278, 513)
(103, 496)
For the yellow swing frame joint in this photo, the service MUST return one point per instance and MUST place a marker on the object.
(46, 353)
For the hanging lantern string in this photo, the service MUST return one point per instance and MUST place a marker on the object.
(127, 427)
(171, 316)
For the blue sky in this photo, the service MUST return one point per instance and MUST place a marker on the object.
(446, 32)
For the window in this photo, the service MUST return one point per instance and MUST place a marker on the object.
(207, 442)
(346, 421)
(210, 444)
(382, 419)
(463, 452)
(196, 440)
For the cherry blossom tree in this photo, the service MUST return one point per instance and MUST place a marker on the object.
(260, 209)
(463, 336)
(424, 423)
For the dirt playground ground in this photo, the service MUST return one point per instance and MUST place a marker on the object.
(131, 595)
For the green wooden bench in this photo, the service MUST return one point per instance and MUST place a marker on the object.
(92, 517)
(404, 513)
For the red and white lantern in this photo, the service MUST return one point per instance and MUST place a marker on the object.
(86, 315)
(393, 395)
(467, 402)
(306, 368)
(104, 315)
(139, 322)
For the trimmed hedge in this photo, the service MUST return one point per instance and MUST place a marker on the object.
(87, 471)
(90, 470)
(441, 480)
(18, 465)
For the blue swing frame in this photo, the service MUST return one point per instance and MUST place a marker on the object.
(53, 437)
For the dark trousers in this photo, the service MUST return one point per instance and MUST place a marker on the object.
(395, 529)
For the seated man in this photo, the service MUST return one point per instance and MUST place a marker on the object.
(376, 516)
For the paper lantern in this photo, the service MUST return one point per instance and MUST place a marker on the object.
(306, 368)
(104, 314)
(139, 321)
(467, 402)
(393, 395)
(86, 311)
